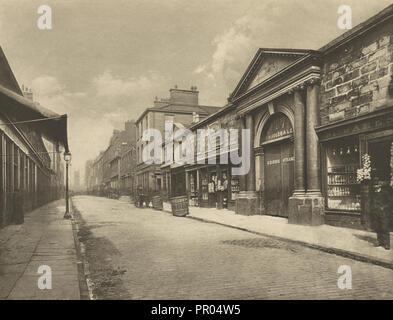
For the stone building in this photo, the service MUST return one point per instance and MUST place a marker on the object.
(114, 169)
(94, 175)
(33, 139)
(312, 114)
(182, 107)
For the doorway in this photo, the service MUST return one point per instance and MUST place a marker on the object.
(279, 178)
(381, 162)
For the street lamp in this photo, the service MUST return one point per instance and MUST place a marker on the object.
(67, 159)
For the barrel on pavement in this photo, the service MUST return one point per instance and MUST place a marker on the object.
(157, 202)
(179, 206)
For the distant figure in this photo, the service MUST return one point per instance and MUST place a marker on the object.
(382, 211)
(140, 196)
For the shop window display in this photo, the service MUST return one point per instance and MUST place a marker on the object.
(204, 184)
(343, 190)
(235, 188)
(193, 191)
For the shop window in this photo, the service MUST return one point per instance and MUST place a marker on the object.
(235, 188)
(193, 189)
(213, 183)
(205, 190)
(343, 191)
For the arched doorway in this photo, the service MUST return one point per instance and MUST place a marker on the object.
(277, 143)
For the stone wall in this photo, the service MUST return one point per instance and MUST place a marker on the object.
(356, 77)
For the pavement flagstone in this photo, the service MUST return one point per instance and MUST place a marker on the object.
(45, 238)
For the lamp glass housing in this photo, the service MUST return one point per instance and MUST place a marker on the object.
(67, 157)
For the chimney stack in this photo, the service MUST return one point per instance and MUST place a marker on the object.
(184, 96)
(27, 93)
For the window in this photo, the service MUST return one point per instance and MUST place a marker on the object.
(235, 188)
(8, 165)
(16, 167)
(343, 160)
(204, 185)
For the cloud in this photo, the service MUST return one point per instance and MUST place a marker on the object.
(86, 127)
(200, 69)
(265, 24)
(107, 84)
(46, 85)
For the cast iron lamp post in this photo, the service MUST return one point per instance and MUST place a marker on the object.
(67, 159)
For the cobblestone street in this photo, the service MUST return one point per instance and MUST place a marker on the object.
(145, 254)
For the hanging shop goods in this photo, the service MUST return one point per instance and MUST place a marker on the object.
(343, 192)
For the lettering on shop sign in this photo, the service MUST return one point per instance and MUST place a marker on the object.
(288, 159)
(273, 162)
(364, 126)
(279, 126)
(279, 134)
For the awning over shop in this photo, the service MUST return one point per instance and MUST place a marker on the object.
(52, 125)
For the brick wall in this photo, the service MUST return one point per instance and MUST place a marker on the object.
(356, 77)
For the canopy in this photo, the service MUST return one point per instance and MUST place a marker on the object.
(52, 125)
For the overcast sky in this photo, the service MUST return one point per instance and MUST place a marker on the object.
(105, 61)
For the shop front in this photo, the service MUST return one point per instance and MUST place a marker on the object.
(211, 186)
(343, 145)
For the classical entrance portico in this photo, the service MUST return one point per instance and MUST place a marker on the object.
(284, 177)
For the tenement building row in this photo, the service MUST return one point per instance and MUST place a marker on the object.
(32, 141)
(312, 114)
(113, 170)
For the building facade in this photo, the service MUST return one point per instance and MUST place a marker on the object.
(312, 115)
(182, 107)
(32, 140)
(113, 171)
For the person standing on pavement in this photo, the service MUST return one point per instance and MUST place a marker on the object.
(382, 211)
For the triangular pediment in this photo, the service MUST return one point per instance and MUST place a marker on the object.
(265, 64)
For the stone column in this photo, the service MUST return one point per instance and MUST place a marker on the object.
(300, 141)
(306, 206)
(259, 178)
(251, 173)
(242, 178)
(312, 143)
(247, 200)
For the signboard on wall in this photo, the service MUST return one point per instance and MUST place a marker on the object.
(278, 126)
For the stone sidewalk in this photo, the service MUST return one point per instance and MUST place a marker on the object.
(45, 238)
(355, 244)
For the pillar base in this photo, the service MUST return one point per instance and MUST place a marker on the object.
(247, 203)
(306, 209)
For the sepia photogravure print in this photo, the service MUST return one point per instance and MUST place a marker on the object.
(213, 150)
